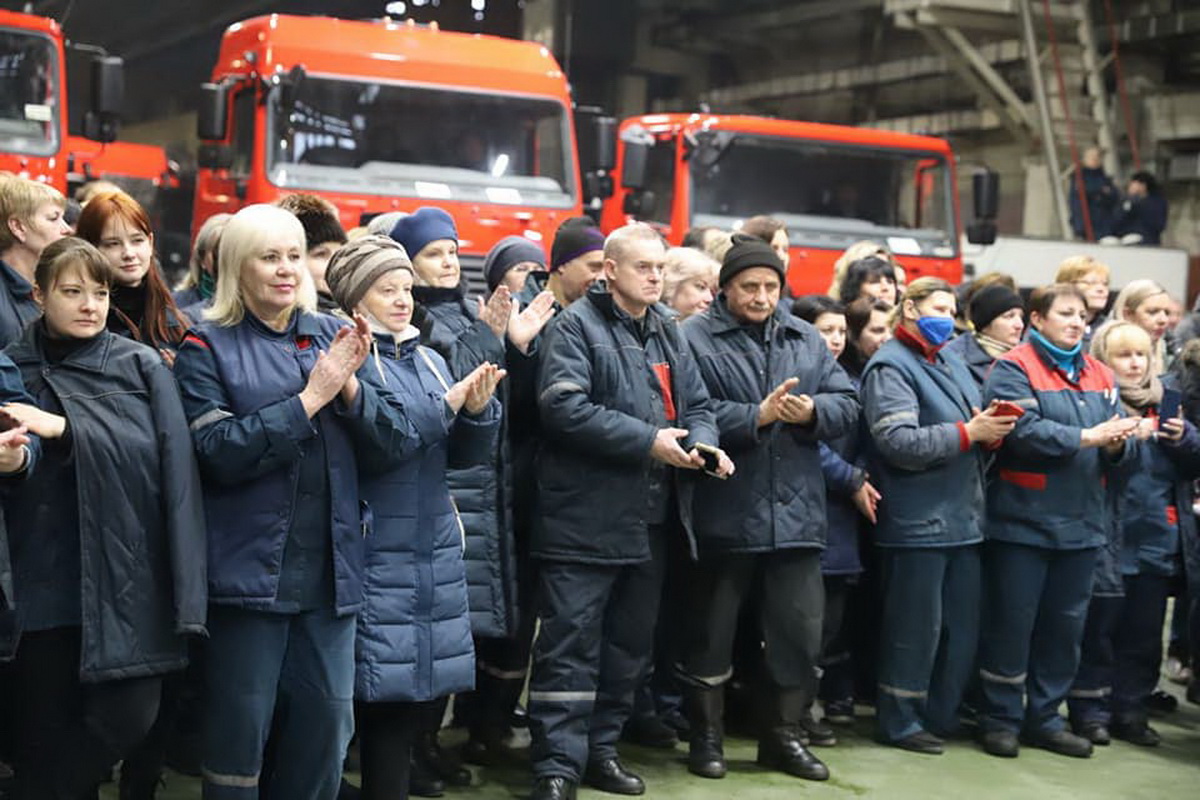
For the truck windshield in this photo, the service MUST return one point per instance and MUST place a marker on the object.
(829, 195)
(441, 144)
(28, 93)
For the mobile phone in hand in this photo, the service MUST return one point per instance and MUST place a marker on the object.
(712, 460)
(1169, 407)
(1007, 408)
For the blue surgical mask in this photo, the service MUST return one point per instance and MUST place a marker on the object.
(936, 330)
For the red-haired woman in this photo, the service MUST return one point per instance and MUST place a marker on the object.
(142, 306)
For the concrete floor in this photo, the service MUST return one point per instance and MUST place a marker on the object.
(862, 768)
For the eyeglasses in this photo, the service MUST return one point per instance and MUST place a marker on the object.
(1091, 283)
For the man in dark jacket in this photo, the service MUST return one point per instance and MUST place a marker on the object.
(1143, 216)
(1100, 195)
(777, 392)
(618, 394)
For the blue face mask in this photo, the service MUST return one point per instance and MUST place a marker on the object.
(936, 330)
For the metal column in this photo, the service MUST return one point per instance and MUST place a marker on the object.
(1049, 147)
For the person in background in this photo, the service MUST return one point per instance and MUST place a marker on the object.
(854, 252)
(927, 450)
(105, 599)
(1048, 516)
(142, 307)
(85, 193)
(1181, 664)
(1100, 198)
(323, 233)
(382, 224)
(966, 291)
(867, 329)
(415, 537)
(698, 238)
(276, 415)
(1091, 278)
(1142, 217)
(997, 316)
(871, 277)
(849, 498)
(510, 261)
(1146, 304)
(777, 393)
(689, 281)
(773, 232)
(576, 260)
(200, 283)
(31, 217)
(622, 409)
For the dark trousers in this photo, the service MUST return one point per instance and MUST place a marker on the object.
(660, 692)
(1091, 693)
(837, 669)
(592, 652)
(68, 734)
(1034, 610)
(386, 732)
(929, 637)
(1138, 645)
(296, 670)
(790, 593)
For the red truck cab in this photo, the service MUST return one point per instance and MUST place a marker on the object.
(831, 185)
(33, 105)
(380, 116)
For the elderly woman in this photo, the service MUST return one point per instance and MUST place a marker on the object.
(928, 439)
(689, 281)
(276, 415)
(415, 582)
(1091, 278)
(107, 534)
(1048, 517)
(997, 316)
(200, 283)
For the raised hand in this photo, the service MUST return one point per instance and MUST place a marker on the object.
(796, 409)
(1111, 433)
(769, 410)
(524, 327)
(483, 388)
(667, 450)
(497, 311)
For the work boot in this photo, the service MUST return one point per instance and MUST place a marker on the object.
(818, 732)
(422, 782)
(781, 747)
(609, 775)
(706, 708)
(553, 787)
(1095, 732)
(490, 727)
(1135, 731)
(1062, 742)
(438, 762)
(1001, 743)
(922, 742)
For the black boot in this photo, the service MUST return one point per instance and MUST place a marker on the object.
(490, 726)
(553, 787)
(781, 748)
(440, 763)
(706, 710)
(422, 782)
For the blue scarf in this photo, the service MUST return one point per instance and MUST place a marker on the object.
(1066, 360)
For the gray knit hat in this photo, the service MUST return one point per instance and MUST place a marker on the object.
(359, 263)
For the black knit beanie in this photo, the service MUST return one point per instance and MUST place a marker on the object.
(991, 302)
(575, 237)
(747, 252)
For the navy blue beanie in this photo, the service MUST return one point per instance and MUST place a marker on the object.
(425, 225)
(506, 254)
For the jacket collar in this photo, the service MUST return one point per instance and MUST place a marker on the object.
(722, 320)
(918, 345)
(92, 357)
(599, 296)
(16, 283)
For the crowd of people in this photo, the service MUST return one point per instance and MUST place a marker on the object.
(276, 519)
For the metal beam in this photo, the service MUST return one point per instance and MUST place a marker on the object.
(1013, 104)
(1043, 107)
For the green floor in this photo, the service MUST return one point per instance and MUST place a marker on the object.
(863, 769)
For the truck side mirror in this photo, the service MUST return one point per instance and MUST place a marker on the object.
(633, 168)
(212, 118)
(606, 142)
(102, 122)
(985, 194)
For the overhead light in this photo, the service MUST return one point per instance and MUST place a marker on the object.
(478, 5)
(398, 8)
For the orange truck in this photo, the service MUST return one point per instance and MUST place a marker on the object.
(831, 185)
(380, 116)
(34, 137)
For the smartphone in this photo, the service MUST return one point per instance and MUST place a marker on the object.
(1169, 407)
(1007, 408)
(712, 460)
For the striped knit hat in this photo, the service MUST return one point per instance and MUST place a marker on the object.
(359, 263)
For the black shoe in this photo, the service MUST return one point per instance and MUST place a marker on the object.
(1003, 744)
(554, 787)
(922, 742)
(422, 782)
(650, 731)
(439, 762)
(610, 776)
(1160, 702)
(1136, 732)
(783, 751)
(839, 712)
(1095, 732)
(818, 732)
(1062, 742)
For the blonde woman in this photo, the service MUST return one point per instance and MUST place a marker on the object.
(1146, 304)
(689, 281)
(1091, 278)
(31, 217)
(200, 283)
